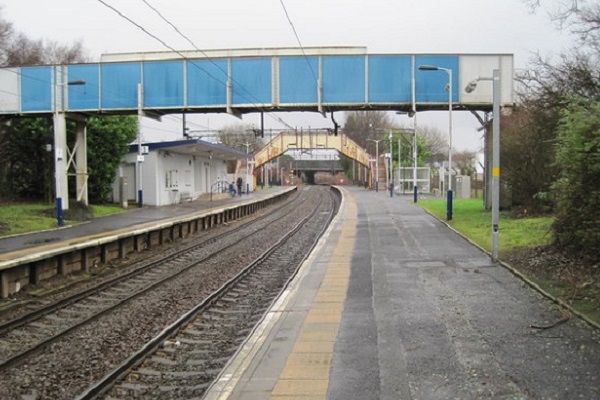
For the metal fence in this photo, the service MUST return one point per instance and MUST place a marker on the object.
(404, 179)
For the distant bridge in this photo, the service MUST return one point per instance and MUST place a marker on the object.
(313, 140)
(316, 140)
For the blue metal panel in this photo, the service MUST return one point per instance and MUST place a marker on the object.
(206, 83)
(36, 89)
(298, 80)
(344, 79)
(431, 85)
(119, 85)
(163, 84)
(112, 86)
(390, 79)
(251, 79)
(87, 96)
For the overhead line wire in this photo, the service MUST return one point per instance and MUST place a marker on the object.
(298, 39)
(165, 19)
(118, 12)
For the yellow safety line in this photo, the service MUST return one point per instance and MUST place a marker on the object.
(306, 371)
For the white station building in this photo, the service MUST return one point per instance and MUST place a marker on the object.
(174, 172)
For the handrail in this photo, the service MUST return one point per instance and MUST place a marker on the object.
(220, 186)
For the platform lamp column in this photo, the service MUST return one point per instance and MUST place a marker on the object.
(495, 155)
(247, 144)
(413, 113)
(140, 156)
(391, 169)
(60, 142)
(449, 194)
(415, 186)
(376, 141)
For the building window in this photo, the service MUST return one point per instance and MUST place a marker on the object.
(171, 179)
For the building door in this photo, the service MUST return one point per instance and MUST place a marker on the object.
(131, 184)
(206, 177)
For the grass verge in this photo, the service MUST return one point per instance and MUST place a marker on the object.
(472, 220)
(19, 218)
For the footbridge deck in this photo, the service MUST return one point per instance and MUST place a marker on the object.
(242, 81)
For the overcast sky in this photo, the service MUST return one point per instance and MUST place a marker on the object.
(383, 26)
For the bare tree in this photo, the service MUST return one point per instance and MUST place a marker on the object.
(6, 32)
(465, 162)
(361, 126)
(436, 143)
(55, 53)
(241, 137)
(17, 49)
(24, 51)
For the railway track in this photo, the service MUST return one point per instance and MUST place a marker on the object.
(22, 337)
(184, 359)
(55, 356)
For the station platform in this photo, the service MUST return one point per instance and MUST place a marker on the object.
(393, 304)
(133, 218)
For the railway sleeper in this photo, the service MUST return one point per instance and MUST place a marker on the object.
(231, 303)
(196, 333)
(162, 360)
(54, 318)
(221, 313)
(102, 299)
(230, 299)
(141, 391)
(38, 325)
(194, 342)
(196, 362)
(151, 373)
(128, 390)
(73, 312)
(210, 329)
(200, 353)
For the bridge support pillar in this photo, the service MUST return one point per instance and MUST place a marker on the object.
(60, 164)
(81, 170)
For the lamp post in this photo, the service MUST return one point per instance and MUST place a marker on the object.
(495, 155)
(391, 169)
(59, 140)
(400, 175)
(376, 162)
(449, 72)
(140, 156)
(415, 186)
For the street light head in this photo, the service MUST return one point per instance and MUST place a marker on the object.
(76, 82)
(428, 68)
(471, 86)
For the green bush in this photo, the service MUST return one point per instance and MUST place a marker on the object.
(577, 224)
